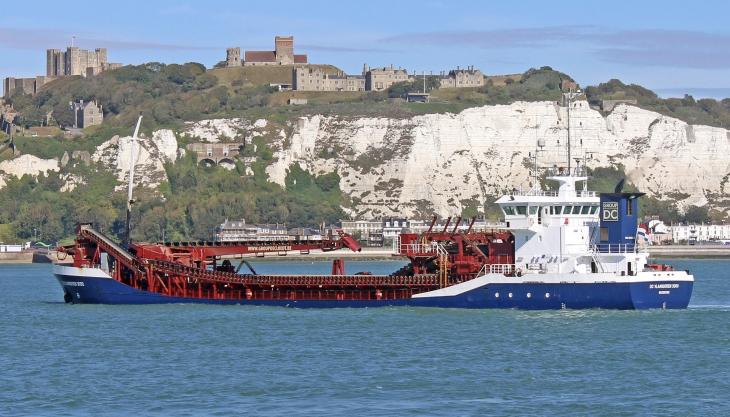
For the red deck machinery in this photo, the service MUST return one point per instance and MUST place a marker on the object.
(205, 269)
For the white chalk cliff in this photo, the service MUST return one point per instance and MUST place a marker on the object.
(442, 162)
(26, 165)
(150, 155)
(396, 166)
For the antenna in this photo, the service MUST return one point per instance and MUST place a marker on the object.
(73, 39)
(130, 201)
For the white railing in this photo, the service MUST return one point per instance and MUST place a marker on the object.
(431, 247)
(502, 268)
(505, 269)
(550, 193)
(614, 248)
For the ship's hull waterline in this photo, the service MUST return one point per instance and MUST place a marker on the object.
(94, 286)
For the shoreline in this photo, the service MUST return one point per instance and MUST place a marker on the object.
(690, 251)
(378, 254)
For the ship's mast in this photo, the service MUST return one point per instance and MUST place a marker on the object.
(568, 99)
(130, 187)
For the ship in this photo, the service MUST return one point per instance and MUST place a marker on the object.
(567, 248)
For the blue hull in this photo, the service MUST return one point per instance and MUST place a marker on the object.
(527, 296)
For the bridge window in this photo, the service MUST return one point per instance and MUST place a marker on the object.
(585, 209)
(521, 210)
(594, 209)
(509, 210)
(533, 210)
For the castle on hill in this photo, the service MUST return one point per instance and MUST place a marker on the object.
(72, 61)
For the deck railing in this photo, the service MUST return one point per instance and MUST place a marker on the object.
(614, 248)
(549, 193)
(506, 269)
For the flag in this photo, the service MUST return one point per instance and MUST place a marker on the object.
(641, 233)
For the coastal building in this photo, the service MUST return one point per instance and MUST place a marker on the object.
(7, 117)
(283, 54)
(233, 57)
(212, 154)
(11, 248)
(77, 61)
(379, 79)
(460, 78)
(691, 233)
(27, 86)
(314, 78)
(297, 101)
(305, 233)
(72, 61)
(368, 231)
(87, 114)
(393, 227)
(239, 230)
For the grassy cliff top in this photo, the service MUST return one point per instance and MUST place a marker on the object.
(169, 95)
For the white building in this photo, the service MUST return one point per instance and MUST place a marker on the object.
(370, 231)
(10, 248)
(700, 232)
(239, 230)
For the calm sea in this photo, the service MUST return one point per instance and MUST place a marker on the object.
(190, 360)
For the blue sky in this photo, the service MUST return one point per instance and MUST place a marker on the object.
(671, 45)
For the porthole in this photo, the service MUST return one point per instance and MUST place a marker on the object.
(509, 295)
(547, 295)
(496, 295)
(529, 295)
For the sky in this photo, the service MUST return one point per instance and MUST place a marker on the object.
(669, 46)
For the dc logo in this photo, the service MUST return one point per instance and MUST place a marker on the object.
(610, 211)
(610, 215)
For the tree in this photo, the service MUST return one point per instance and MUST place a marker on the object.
(696, 214)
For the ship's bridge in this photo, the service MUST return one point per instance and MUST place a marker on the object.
(551, 227)
(525, 209)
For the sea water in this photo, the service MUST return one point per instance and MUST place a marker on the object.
(187, 360)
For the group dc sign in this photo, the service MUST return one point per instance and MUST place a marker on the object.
(609, 211)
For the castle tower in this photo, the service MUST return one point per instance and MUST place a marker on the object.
(233, 57)
(284, 49)
(73, 61)
(55, 63)
(101, 57)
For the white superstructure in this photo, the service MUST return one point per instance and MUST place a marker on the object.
(559, 231)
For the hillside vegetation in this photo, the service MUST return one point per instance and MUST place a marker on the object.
(704, 111)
